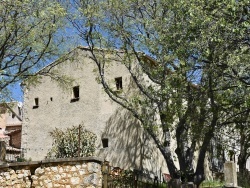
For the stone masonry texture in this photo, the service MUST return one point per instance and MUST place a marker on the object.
(62, 173)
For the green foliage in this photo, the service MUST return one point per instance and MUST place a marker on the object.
(207, 184)
(199, 82)
(125, 178)
(66, 143)
(29, 38)
(22, 159)
(128, 178)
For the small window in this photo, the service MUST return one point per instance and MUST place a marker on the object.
(75, 94)
(36, 103)
(118, 82)
(19, 111)
(105, 142)
(13, 115)
(51, 98)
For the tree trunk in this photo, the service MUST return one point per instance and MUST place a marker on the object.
(242, 160)
(199, 174)
(185, 154)
(242, 163)
(165, 151)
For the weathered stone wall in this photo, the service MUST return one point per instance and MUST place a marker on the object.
(11, 178)
(129, 145)
(63, 173)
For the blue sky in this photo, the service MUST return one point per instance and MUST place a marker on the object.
(72, 40)
(17, 93)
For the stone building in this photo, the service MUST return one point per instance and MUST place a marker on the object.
(11, 128)
(121, 138)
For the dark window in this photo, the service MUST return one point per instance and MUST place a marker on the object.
(36, 102)
(19, 111)
(36, 105)
(75, 94)
(51, 98)
(105, 142)
(13, 115)
(118, 82)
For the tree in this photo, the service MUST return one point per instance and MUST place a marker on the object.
(195, 55)
(72, 142)
(28, 38)
(234, 140)
(242, 129)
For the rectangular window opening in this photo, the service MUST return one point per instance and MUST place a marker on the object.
(36, 103)
(118, 83)
(105, 142)
(75, 94)
(19, 111)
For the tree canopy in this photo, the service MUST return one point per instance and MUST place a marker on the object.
(200, 81)
(29, 37)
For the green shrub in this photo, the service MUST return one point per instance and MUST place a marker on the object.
(66, 143)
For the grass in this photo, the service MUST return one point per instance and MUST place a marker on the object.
(212, 184)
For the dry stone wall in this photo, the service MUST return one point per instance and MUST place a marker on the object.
(63, 173)
(11, 178)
